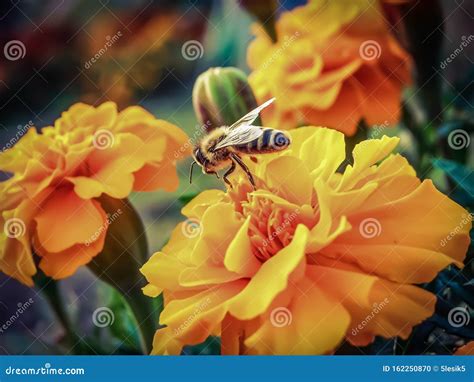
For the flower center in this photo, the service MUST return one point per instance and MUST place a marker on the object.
(271, 227)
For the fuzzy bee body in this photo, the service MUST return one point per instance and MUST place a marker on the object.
(223, 146)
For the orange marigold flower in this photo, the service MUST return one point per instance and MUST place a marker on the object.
(312, 257)
(467, 349)
(51, 201)
(333, 64)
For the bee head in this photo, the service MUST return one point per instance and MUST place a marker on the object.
(198, 157)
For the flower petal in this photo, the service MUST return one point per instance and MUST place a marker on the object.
(66, 220)
(271, 279)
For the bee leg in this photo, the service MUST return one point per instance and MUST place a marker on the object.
(191, 172)
(245, 168)
(229, 171)
(212, 172)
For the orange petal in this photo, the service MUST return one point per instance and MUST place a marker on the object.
(393, 309)
(66, 220)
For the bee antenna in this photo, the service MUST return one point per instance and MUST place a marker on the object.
(191, 172)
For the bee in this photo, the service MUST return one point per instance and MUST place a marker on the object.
(225, 145)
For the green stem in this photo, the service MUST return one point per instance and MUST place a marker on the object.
(125, 251)
(145, 318)
(50, 289)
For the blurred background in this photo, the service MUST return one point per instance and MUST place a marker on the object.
(58, 52)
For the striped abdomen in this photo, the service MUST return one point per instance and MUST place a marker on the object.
(271, 140)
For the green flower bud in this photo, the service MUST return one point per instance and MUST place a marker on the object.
(221, 96)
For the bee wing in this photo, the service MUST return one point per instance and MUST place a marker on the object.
(251, 116)
(239, 136)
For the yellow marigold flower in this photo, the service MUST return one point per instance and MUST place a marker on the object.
(333, 64)
(312, 257)
(51, 201)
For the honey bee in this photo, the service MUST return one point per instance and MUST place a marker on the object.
(224, 145)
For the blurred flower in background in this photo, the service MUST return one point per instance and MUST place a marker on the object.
(50, 203)
(297, 266)
(332, 64)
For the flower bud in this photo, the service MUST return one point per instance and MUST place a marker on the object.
(221, 96)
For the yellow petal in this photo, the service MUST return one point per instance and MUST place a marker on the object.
(313, 323)
(271, 279)
(239, 257)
